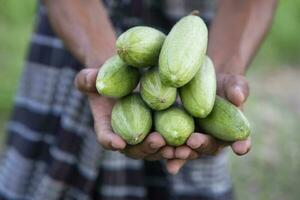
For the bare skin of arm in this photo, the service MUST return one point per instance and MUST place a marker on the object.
(85, 29)
(236, 33)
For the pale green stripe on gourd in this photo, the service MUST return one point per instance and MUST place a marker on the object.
(157, 95)
(140, 46)
(225, 122)
(116, 79)
(183, 51)
(198, 96)
(131, 119)
(175, 125)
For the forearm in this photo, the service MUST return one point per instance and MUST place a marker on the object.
(237, 31)
(85, 29)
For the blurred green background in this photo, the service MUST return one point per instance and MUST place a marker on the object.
(272, 169)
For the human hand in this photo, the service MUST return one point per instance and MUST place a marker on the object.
(152, 148)
(233, 88)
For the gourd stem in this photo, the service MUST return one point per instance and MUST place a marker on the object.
(195, 12)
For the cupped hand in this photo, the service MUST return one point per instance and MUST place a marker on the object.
(152, 148)
(233, 88)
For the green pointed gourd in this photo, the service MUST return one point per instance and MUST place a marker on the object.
(116, 79)
(198, 96)
(175, 125)
(183, 51)
(157, 95)
(131, 119)
(225, 122)
(140, 46)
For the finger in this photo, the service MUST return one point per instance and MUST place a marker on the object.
(149, 146)
(173, 166)
(194, 155)
(166, 152)
(241, 147)
(183, 152)
(220, 84)
(236, 89)
(205, 144)
(106, 137)
(85, 80)
(110, 141)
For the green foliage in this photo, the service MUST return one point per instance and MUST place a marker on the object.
(282, 44)
(16, 12)
(16, 20)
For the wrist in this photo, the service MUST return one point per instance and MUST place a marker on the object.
(233, 65)
(95, 58)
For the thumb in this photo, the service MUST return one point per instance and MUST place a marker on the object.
(85, 80)
(236, 89)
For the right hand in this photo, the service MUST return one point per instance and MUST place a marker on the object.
(235, 89)
(152, 148)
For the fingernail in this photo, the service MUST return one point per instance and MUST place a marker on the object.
(154, 145)
(115, 146)
(167, 155)
(239, 92)
(173, 171)
(193, 144)
(241, 153)
(248, 150)
(176, 170)
(89, 78)
(182, 156)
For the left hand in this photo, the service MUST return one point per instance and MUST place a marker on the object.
(235, 89)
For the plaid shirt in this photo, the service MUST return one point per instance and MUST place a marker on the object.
(52, 152)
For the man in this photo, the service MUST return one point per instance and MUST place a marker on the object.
(52, 151)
